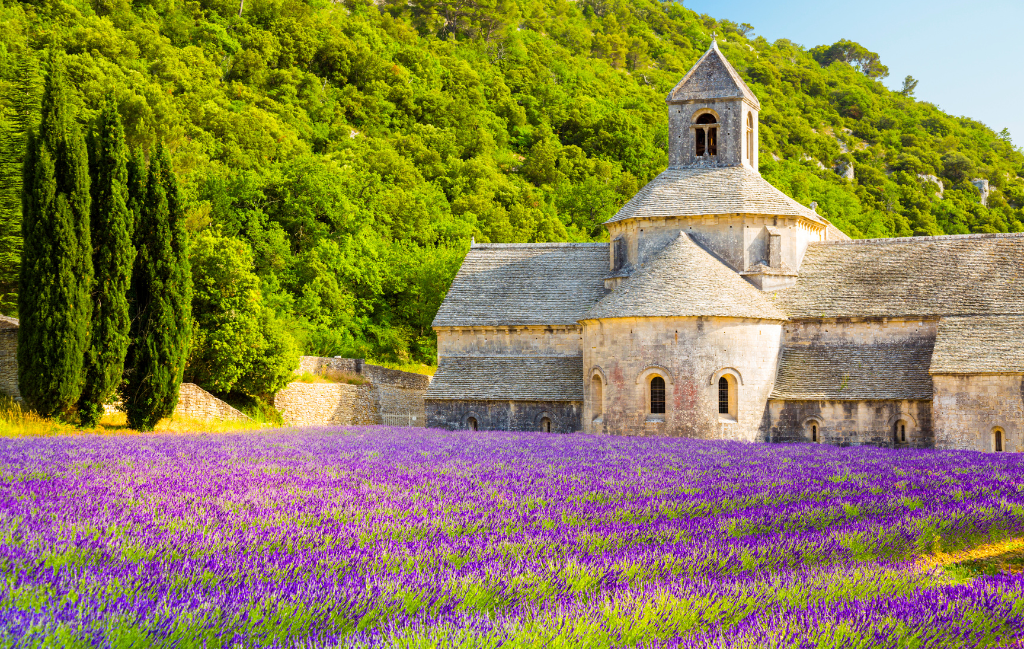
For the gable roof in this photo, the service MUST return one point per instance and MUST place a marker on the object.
(685, 280)
(854, 372)
(979, 274)
(697, 191)
(508, 378)
(712, 77)
(525, 284)
(979, 345)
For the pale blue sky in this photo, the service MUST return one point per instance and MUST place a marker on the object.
(968, 56)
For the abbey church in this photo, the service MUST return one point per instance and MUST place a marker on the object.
(722, 309)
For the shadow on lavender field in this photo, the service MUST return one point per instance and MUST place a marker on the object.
(418, 538)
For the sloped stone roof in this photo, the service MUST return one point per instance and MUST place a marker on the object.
(525, 284)
(712, 77)
(685, 280)
(696, 191)
(508, 378)
(854, 372)
(7, 322)
(979, 345)
(915, 276)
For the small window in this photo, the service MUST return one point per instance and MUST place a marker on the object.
(814, 433)
(750, 138)
(471, 423)
(700, 142)
(657, 396)
(597, 396)
(723, 396)
(998, 441)
(545, 425)
(899, 432)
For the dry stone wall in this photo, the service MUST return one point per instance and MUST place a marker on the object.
(852, 423)
(198, 404)
(323, 404)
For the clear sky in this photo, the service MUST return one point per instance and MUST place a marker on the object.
(968, 56)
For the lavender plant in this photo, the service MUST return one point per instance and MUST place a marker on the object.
(421, 538)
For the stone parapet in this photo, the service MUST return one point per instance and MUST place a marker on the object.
(196, 403)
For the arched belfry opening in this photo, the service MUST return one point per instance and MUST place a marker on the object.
(706, 135)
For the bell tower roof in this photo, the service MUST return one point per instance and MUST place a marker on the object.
(712, 77)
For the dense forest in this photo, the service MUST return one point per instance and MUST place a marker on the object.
(336, 157)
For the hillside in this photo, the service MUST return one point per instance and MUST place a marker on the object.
(355, 148)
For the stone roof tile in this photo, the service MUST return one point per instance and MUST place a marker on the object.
(685, 280)
(696, 191)
(712, 77)
(979, 345)
(912, 276)
(854, 372)
(525, 284)
(508, 378)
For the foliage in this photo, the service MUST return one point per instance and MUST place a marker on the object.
(160, 302)
(112, 225)
(356, 147)
(237, 343)
(56, 269)
(384, 537)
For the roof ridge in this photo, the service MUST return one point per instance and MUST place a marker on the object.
(941, 237)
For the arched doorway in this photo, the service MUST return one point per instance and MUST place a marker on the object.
(545, 425)
(471, 423)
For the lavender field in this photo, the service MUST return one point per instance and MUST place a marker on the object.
(420, 538)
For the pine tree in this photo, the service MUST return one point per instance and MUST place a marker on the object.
(159, 301)
(112, 259)
(56, 272)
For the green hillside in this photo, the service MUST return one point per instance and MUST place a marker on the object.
(354, 148)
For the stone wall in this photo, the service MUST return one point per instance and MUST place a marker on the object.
(9, 357)
(969, 407)
(514, 340)
(198, 404)
(340, 368)
(690, 354)
(321, 404)
(505, 415)
(852, 423)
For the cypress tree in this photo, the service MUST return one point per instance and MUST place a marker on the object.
(159, 301)
(56, 272)
(112, 258)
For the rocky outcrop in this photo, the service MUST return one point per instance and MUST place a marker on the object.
(929, 178)
(982, 185)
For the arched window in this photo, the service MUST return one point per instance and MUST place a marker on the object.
(597, 396)
(723, 396)
(815, 432)
(750, 138)
(471, 423)
(899, 432)
(545, 425)
(728, 397)
(998, 440)
(657, 396)
(706, 135)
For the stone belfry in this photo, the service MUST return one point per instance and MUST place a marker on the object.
(712, 116)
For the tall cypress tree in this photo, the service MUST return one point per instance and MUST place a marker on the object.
(112, 259)
(159, 302)
(56, 271)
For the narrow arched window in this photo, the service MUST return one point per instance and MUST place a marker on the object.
(750, 138)
(597, 396)
(545, 425)
(998, 440)
(723, 396)
(471, 423)
(814, 433)
(657, 396)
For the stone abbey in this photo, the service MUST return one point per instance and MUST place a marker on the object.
(722, 309)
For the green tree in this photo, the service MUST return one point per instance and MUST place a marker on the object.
(56, 271)
(909, 86)
(160, 322)
(854, 54)
(112, 259)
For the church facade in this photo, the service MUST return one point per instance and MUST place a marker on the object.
(722, 309)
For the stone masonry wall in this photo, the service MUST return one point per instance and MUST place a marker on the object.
(336, 368)
(503, 341)
(689, 353)
(969, 407)
(394, 397)
(322, 404)
(505, 415)
(852, 423)
(198, 404)
(9, 361)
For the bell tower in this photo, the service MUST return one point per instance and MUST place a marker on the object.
(712, 116)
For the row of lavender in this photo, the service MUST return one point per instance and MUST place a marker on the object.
(406, 537)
